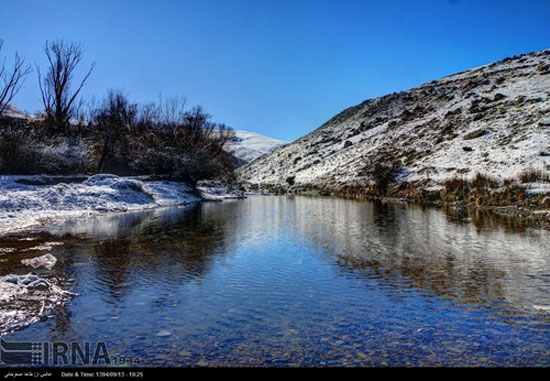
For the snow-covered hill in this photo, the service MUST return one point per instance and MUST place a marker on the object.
(248, 146)
(493, 119)
(12, 112)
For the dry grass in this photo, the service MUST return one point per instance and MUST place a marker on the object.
(484, 181)
(534, 176)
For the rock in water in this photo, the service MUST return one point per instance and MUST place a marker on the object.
(47, 261)
(25, 299)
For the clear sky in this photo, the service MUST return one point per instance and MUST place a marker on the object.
(277, 67)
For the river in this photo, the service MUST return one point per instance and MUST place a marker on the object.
(297, 281)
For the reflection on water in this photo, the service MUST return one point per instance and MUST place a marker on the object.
(287, 281)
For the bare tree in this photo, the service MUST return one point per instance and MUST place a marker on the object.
(11, 81)
(55, 86)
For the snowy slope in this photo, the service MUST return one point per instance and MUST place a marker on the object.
(493, 119)
(248, 146)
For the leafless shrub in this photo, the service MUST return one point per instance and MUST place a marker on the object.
(172, 111)
(112, 122)
(11, 80)
(159, 138)
(192, 149)
(383, 170)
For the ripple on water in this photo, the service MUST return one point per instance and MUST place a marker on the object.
(289, 281)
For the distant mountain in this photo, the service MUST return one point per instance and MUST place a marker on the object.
(12, 112)
(493, 120)
(248, 146)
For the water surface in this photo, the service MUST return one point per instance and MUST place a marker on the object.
(298, 281)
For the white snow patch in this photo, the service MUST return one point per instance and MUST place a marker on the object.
(538, 188)
(248, 146)
(23, 206)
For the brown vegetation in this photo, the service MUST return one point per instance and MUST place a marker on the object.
(382, 171)
(115, 136)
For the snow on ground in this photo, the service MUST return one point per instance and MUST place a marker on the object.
(248, 146)
(24, 206)
(538, 188)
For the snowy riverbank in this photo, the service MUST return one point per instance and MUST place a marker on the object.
(30, 201)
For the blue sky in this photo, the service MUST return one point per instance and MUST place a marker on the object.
(277, 67)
